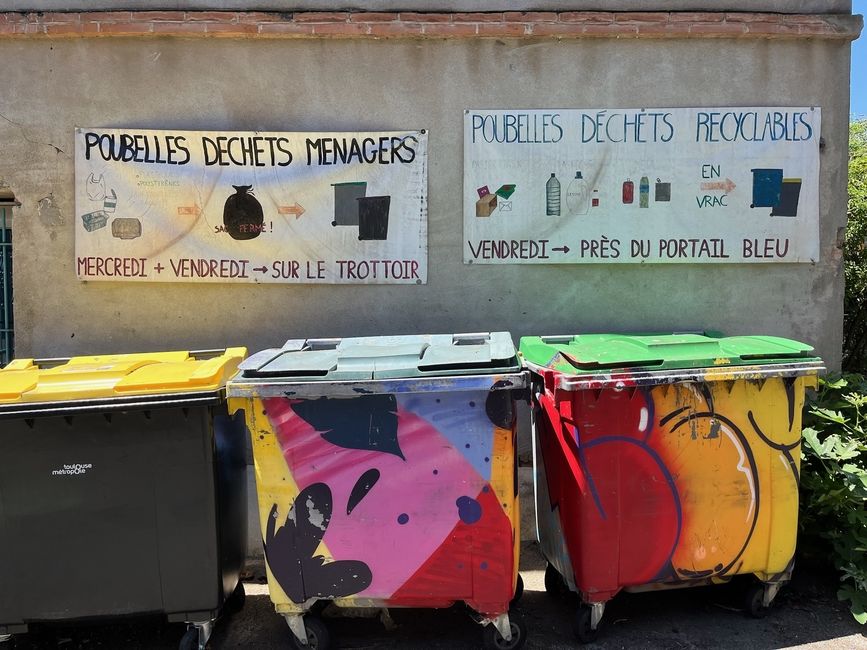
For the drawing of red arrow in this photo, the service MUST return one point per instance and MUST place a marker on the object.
(261, 269)
(564, 249)
(296, 209)
(191, 210)
(726, 186)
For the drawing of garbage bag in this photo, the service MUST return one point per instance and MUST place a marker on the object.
(242, 214)
(126, 228)
(346, 197)
(94, 220)
(767, 187)
(662, 191)
(789, 196)
(95, 187)
(373, 217)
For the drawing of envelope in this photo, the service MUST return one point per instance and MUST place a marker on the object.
(505, 206)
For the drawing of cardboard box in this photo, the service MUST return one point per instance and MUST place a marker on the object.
(94, 220)
(125, 228)
(486, 205)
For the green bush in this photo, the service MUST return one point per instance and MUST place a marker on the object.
(834, 481)
(855, 253)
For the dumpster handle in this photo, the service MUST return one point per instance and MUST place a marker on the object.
(569, 452)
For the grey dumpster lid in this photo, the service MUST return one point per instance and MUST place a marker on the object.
(384, 357)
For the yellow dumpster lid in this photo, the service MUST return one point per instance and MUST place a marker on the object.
(119, 375)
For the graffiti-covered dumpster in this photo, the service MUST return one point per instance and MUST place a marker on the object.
(385, 469)
(666, 460)
(123, 490)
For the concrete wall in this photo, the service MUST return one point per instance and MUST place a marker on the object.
(781, 6)
(50, 86)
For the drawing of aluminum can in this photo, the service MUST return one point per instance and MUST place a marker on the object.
(628, 192)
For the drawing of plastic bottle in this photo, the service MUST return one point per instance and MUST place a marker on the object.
(644, 193)
(552, 196)
(577, 196)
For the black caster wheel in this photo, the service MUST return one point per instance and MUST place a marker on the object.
(493, 640)
(235, 601)
(583, 631)
(754, 601)
(555, 585)
(519, 591)
(318, 637)
(190, 640)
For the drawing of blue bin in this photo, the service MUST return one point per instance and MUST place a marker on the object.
(767, 186)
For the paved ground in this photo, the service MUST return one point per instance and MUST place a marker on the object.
(806, 614)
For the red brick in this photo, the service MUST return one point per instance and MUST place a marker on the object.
(641, 17)
(804, 19)
(416, 17)
(107, 16)
(212, 16)
(586, 17)
(553, 29)
(156, 16)
(696, 17)
(257, 17)
(321, 17)
(230, 29)
(372, 17)
(610, 30)
(530, 17)
(72, 29)
(718, 29)
(124, 28)
(466, 17)
(446, 30)
(741, 17)
(179, 28)
(340, 29)
(506, 30)
(60, 17)
(652, 30)
(772, 29)
(395, 30)
(276, 29)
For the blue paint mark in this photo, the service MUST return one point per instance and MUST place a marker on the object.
(402, 518)
(469, 510)
(483, 565)
(486, 489)
(472, 404)
(448, 413)
(436, 471)
(467, 445)
(487, 460)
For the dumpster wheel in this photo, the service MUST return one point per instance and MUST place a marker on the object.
(493, 640)
(584, 628)
(519, 591)
(318, 636)
(235, 601)
(754, 601)
(555, 585)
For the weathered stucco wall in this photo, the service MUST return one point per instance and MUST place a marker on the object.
(51, 86)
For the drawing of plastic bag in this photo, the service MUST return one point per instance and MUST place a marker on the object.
(95, 188)
(242, 214)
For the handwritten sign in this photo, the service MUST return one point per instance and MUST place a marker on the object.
(197, 206)
(648, 185)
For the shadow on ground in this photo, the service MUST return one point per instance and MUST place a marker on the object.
(806, 613)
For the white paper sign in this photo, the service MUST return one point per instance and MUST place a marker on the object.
(201, 206)
(645, 185)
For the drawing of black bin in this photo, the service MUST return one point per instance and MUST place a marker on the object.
(123, 490)
(767, 186)
(373, 218)
(789, 196)
(346, 197)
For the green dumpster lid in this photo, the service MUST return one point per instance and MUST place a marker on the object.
(384, 357)
(587, 353)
